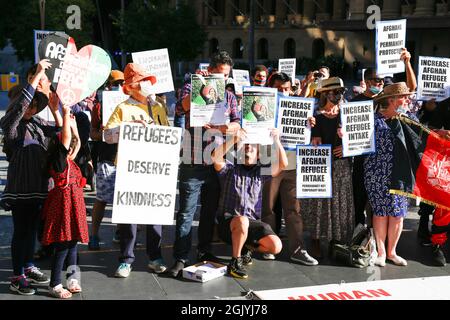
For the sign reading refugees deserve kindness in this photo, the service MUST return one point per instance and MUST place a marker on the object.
(434, 78)
(357, 119)
(287, 66)
(292, 121)
(157, 63)
(314, 172)
(147, 172)
(390, 39)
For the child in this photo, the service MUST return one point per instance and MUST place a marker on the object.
(64, 210)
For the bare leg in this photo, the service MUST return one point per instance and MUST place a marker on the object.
(395, 228)
(98, 211)
(380, 226)
(270, 244)
(239, 232)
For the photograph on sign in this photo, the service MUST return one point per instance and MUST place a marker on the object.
(314, 172)
(358, 128)
(242, 79)
(433, 78)
(288, 66)
(208, 103)
(147, 173)
(389, 40)
(292, 121)
(258, 114)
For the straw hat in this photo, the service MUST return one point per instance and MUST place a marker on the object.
(331, 84)
(394, 90)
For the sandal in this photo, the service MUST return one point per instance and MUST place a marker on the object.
(73, 286)
(59, 292)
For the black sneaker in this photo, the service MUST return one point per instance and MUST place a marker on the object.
(207, 256)
(22, 286)
(35, 275)
(236, 269)
(177, 269)
(438, 256)
(247, 257)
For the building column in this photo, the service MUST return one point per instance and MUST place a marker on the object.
(201, 13)
(281, 10)
(357, 9)
(309, 10)
(322, 10)
(391, 9)
(424, 8)
(339, 10)
(229, 16)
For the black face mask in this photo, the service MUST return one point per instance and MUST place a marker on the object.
(335, 99)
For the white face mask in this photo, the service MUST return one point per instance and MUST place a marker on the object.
(146, 88)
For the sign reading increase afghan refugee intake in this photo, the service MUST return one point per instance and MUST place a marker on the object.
(390, 39)
(157, 63)
(147, 171)
(287, 66)
(292, 121)
(314, 172)
(357, 119)
(434, 78)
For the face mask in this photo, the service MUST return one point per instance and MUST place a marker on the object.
(115, 88)
(375, 90)
(335, 99)
(146, 88)
(260, 83)
(285, 93)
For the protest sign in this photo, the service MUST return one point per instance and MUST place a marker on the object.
(203, 66)
(258, 114)
(287, 66)
(390, 39)
(292, 121)
(208, 103)
(83, 72)
(434, 78)
(157, 63)
(110, 100)
(146, 178)
(314, 172)
(242, 79)
(38, 36)
(357, 119)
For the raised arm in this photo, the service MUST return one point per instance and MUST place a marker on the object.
(220, 152)
(411, 80)
(66, 134)
(282, 160)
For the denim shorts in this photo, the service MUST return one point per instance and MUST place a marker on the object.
(106, 179)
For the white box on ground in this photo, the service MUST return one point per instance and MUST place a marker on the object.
(204, 271)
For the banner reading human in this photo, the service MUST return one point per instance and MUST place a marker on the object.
(147, 172)
(292, 121)
(390, 39)
(287, 66)
(434, 78)
(357, 120)
(314, 172)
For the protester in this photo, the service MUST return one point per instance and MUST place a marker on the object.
(259, 76)
(239, 210)
(313, 82)
(64, 211)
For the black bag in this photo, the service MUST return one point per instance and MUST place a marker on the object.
(357, 252)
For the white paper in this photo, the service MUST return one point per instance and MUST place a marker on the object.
(390, 39)
(242, 79)
(433, 80)
(288, 66)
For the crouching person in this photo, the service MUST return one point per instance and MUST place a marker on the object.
(239, 210)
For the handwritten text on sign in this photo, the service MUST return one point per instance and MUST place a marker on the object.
(357, 128)
(314, 172)
(434, 78)
(287, 66)
(147, 170)
(390, 39)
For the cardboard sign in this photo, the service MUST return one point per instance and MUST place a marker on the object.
(146, 153)
(110, 100)
(83, 72)
(433, 79)
(242, 79)
(390, 39)
(157, 63)
(38, 36)
(292, 121)
(288, 66)
(208, 103)
(258, 114)
(358, 128)
(314, 172)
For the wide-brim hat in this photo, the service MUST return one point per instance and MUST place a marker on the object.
(394, 90)
(134, 73)
(330, 84)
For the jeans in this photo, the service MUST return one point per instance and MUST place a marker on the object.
(62, 250)
(179, 121)
(128, 233)
(196, 181)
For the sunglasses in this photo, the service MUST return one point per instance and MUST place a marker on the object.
(377, 80)
(336, 92)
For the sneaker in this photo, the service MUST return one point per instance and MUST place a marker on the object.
(236, 269)
(35, 275)
(116, 238)
(268, 256)
(207, 256)
(247, 258)
(123, 271)
(303, 257)
(22, 286)
(157, 266)
(438, 256)
(176, 269)
(94, 243)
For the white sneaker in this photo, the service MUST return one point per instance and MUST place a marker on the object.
(268, 256)
(302, 256)
(123, 271)
(157, 266)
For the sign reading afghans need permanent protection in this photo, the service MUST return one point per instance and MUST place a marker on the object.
(157, 63)
(292, 121)
(390, 39)
(287, 66)
(314, 172)
(434, 78)
(146, 153)
(357, 119)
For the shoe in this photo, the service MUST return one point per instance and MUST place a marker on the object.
(302, 256)
(268, 256)
(73, 286)
(22, 286)
(398, 261)
(380, 261)
(207, 256)
(116, 238)
(247, 258)
(157, 266)
(439, 256)
(94, 243)
(123, 271)
(59, 292)
(236, 269)
(176, 269)
(35, 275)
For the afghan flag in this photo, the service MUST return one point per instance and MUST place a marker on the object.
(421, 163)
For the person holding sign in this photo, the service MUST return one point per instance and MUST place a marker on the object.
(259, 76)
(333, 218)
(239, 210)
